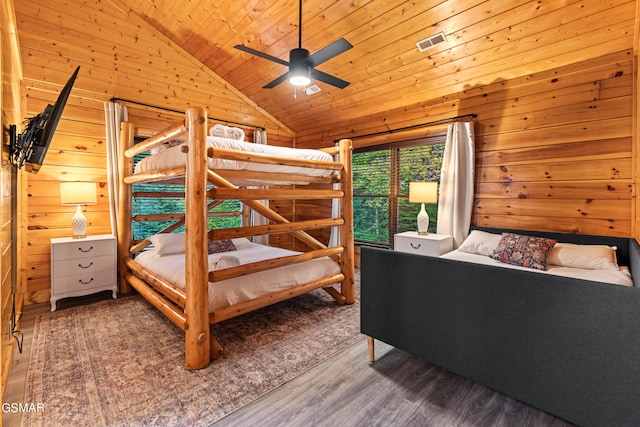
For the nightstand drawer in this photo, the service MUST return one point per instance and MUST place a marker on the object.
(72, 267)
(429, 245)
(83, 281)
(83, 249)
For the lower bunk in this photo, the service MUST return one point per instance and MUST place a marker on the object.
(562, 344)
(159, 274)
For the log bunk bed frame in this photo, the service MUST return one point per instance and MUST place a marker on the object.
(188, 308)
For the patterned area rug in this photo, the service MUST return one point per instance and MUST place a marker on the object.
(121, 362)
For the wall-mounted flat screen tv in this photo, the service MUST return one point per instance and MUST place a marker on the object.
(29, 148)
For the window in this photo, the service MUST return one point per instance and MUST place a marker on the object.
(156, 213)
(381, 176)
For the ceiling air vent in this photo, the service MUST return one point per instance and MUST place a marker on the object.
(430, 42)
(311, 89)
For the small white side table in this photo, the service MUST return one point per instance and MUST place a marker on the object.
(429, 245)
(82, 266)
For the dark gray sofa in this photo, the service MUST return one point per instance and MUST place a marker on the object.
(567, 346)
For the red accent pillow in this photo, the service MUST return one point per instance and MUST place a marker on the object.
(216, 246)
(525, 251)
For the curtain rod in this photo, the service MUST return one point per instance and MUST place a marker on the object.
(435, 122)
(182, 112)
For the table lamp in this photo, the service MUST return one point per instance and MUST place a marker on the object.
(78, 193)
(423, 192)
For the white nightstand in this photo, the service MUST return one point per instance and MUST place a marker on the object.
(429, 245)
(82, 266)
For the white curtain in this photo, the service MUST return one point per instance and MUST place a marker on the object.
(336, 212)
(456, 182)
(114, 114)
(260, 137)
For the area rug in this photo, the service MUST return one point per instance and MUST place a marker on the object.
(121, 362)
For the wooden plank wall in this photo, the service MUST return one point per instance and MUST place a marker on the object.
(636, 127)
(553, 149)
(10, 106)
(131, 61)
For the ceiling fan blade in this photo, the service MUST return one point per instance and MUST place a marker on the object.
(277, 81)
(261, 54)
(328, 52)
(328, 78)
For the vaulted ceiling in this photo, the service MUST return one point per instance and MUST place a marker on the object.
(487, 41)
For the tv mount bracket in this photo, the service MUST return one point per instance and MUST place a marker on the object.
(22, 145)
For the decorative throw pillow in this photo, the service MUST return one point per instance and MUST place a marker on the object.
(217, 246)
(526, 251)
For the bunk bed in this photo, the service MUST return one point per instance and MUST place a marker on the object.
(212, 173)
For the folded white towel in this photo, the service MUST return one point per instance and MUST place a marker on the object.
(235, 133)
(218, 130)
(225, 262)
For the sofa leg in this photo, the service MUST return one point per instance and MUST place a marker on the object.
(371, 345)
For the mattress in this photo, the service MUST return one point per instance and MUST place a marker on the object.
(621, 276)
(238, 289)
(174, 157)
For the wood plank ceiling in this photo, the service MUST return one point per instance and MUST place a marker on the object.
(487, 41)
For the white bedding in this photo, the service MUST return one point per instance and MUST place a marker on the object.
(618, 277)
(173, 157)
(244, 288)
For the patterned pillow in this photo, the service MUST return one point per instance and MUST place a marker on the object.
(216, 246)
(526, 251)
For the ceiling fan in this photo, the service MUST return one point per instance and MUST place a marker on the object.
(302, 65)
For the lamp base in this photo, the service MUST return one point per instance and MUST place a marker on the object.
(79, 224)
(423, 221)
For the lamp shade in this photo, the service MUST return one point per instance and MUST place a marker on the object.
(78, 193)
(423, 192)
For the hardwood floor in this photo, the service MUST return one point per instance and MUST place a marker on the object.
(346, 390)
(397, 390)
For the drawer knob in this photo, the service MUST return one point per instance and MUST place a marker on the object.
(85, 283)
(88, 250)
(415, 246)
(85, 266)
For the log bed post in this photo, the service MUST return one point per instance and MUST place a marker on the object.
(124, 204)
(197, 333)
(347, 260)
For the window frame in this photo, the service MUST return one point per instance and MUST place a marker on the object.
(395, 195)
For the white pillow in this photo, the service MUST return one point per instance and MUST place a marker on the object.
(241, 242)
(480, 242)
(590, 257)
(168, 243)
(158, 149)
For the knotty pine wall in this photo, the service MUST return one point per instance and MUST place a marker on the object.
(553, 149)
(10, 107)
(119, 56)
(636, 128)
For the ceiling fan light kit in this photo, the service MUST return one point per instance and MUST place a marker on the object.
(299, 72)
(302, 65)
